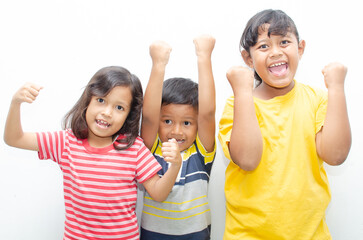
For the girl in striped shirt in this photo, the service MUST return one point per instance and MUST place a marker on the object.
(100, 154)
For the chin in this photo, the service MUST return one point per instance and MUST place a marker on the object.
(182, 148)
(283, 83)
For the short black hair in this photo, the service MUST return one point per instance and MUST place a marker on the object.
(180, 91)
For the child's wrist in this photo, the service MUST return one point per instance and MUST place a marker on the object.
(336, 91)
(160, 66)
(336, 87)
(175, 166)
(204, 57)
(243, 91)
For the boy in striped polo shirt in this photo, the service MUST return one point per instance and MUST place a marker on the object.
(180, 109)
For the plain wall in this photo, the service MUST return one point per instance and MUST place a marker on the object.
(61, 44)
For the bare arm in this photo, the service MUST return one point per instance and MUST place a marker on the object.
(159, 188)
(246, 144)
(206, 91)
(334, 140)
(159, 52)
(13, 134)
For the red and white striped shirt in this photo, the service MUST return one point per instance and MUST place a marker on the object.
(100, 184)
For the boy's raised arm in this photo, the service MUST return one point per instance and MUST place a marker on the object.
(334, 140)
(159, 52)
(13, 133)
(204, 45)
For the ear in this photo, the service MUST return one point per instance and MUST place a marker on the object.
(247, 58)
(301, 48)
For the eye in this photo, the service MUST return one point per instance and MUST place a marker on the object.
(285, 42)
(100, 100)
(167, 121)
(263, 46)
(121, 108)
(187, 123)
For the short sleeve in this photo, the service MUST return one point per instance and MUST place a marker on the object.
(157, 142)
(208, 156)
(225, 126)
(51, 145)
(147, 165)
(321, 110)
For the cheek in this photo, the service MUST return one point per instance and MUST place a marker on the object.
(87, 115)
(192, 132)
(259, 63)
(121, 119)
(163, 133)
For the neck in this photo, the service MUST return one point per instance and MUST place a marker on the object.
(266, 92)
(100, 142)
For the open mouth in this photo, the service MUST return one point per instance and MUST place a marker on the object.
(179, 141)
(102, 124)
(278, 69)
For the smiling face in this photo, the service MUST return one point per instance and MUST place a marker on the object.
(179, 121)
(275, 58)
(106, 115)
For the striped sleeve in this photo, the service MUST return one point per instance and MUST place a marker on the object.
(157, 142)
(147, 165)
(208, 156)
(51, 145)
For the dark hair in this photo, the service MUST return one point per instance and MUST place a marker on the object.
(280, 24)
(180, 91)
(100, 85)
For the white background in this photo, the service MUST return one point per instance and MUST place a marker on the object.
(61, 44)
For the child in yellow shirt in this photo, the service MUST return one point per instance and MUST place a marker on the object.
(277, 136)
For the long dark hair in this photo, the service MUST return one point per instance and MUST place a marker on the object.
(280, 24)
(100, 85)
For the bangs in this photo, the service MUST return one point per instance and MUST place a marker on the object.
(279, 27)
(275, 22)
(105, 81)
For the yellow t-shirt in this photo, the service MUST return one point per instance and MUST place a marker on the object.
(286, 196)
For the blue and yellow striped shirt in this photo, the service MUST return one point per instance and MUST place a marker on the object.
(186, 210)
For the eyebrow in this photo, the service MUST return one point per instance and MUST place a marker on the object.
(266, 39)
(169, 115)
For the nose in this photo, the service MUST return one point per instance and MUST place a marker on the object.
(176, 129)
(107, 111)
(275, 51)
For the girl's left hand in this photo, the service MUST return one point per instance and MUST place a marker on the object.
(171, 152)
(334, 75)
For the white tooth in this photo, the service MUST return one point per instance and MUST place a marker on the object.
(277, 64)
(102, 122)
